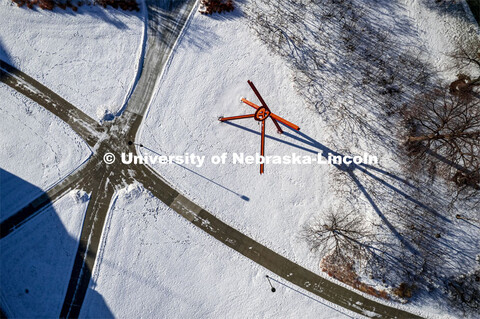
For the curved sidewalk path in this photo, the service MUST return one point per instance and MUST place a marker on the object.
(165, 22)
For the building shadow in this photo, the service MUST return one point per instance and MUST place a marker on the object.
(97, 302)
(14, 192)
(37, 257)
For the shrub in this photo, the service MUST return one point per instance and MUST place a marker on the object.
(343, 270)
(404, 290)
(216, 6)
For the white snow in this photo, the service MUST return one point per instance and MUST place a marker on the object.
(37, 259)
(89, 57)
(38, 150)
(206, 78)
(439, 31)
(155, 264)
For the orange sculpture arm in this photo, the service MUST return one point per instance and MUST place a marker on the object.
(278, 118)
(262, 147)
(223, 119)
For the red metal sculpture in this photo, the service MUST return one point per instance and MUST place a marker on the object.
(261, 115)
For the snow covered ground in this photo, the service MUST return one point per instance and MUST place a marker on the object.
(155, 264)
(37, 259)
(206, 78)
(440, 32)
(169, 267)
(38, 149)
(89, 57)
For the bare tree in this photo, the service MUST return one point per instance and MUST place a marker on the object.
(464, 290)
(447, 127)
(467, 53)
(339, 234)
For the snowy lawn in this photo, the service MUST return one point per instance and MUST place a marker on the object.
(38, 149)
(155, 264)
(206, 78)
(89, 57)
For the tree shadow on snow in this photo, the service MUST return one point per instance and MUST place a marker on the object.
(358, 64)
(456, 9)
(405, 210)
(109, 14)
(4, 56)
